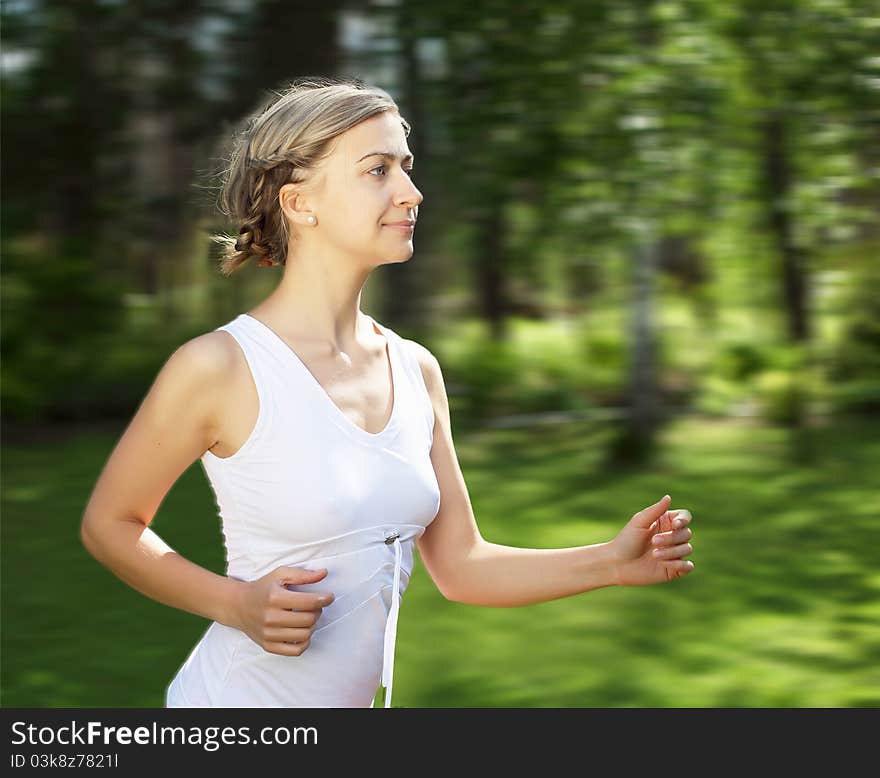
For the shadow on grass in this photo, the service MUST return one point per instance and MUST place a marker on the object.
(781, 610)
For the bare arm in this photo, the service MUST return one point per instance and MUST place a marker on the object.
(507, 576)
(173, 427)
(468, 569)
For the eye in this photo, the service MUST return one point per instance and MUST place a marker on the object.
(409, 171)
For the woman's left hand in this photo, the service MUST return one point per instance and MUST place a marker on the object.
(651, 547)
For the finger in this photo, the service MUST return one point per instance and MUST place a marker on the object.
(286, 635)
(279, 616)
(303, 601)
(297, 619)
(668, 538)
(673, 552)
(296, 576)
(287, 649)
(683, 519)
(646, 517)
(679, 567)
(664, 523)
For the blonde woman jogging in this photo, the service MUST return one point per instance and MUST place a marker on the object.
(325, 437)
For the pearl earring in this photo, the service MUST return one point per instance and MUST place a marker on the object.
(311, 219)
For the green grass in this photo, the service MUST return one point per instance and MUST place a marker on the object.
(782, 610)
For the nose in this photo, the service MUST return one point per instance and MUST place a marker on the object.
(409, 195)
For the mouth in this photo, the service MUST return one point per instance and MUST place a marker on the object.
(401, 226)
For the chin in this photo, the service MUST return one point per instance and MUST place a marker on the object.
(397, 259)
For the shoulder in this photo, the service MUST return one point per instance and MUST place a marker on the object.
(191, 385)
(430, 368)
(206, 356)
(200, 369)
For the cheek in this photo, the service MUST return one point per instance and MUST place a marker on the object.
(359, 210)
(359, 219)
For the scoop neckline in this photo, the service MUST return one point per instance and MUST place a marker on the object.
(336, 412)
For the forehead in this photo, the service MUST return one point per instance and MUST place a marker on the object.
(380, 133)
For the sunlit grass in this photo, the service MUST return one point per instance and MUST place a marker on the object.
(782, 609)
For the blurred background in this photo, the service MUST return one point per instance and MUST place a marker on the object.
(648, 261)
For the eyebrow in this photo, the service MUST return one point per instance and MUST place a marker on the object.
(387, 155)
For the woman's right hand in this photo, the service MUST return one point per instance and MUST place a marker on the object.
(277, 619)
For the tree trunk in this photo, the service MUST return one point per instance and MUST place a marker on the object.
(643, 388)
(490, 272)
(635, 440)
(777, 183)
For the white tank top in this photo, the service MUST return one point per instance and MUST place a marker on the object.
(310, 488)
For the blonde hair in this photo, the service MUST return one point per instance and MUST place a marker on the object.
(283, 142)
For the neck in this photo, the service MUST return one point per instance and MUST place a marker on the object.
(316, 307)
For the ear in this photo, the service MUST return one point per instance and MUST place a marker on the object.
(295, 204)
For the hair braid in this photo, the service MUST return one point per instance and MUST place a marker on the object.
(252, 240)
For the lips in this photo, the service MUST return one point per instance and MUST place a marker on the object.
(404, 227)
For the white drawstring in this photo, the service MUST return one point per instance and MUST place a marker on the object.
(391, 623)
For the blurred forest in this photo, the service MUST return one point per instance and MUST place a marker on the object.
(635, 211)
(582, 163)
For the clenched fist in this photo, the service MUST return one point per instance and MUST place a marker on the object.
(275, 617)
(651, 547)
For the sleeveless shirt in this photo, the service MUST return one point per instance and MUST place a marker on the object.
(309, 488)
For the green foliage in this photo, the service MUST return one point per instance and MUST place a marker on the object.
(785, 389)
(537, 369)
(782, 396)
(60, 313)
(575, 123)
(778, 382)
(489, 372)
(741, 360)
(605, 351)
(604, 355)
(129, 367)
(855, 362)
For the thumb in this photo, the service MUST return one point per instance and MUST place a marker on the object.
(301, 575)
(646, 517)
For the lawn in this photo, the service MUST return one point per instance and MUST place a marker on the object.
(782, 609)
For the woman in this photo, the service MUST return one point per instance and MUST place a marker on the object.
(325, 437)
